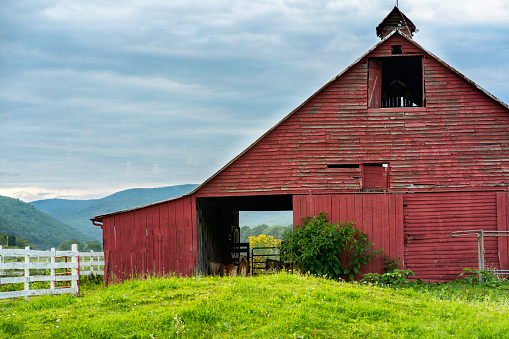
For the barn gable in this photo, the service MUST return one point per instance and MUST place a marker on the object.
(345, 138)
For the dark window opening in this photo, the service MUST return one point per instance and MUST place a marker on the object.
(395, 82)
(343, 166)
(396, 49)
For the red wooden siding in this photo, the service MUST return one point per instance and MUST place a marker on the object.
(378, 215)
(503, 226)
(430, 218)
(155, 240)
(417, 227)
(458, 141)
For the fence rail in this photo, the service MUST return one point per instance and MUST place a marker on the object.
(46, 272)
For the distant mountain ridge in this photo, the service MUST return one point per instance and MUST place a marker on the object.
(25, 221)
(77, 213)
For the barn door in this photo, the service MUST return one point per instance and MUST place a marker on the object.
(430, 218)
(375, 84)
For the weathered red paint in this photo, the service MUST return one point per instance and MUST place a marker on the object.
(457, 142)
(140, 242)
(375, 214)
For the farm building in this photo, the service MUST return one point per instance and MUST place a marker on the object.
(400, 143)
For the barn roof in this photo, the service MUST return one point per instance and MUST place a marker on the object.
(394, 32)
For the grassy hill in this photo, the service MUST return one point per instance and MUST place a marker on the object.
(77, 213)
(23, 220)
(265, 306)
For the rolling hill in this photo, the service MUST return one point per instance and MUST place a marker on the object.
(77, 213)
(23, 220)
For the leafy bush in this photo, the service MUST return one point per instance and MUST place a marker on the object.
(390, 264)
(322, 248)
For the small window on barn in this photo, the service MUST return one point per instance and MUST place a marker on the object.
(375, 176)
(395, 82)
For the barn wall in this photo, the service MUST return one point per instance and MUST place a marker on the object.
(380, 216)
(154, 240)
(459, 141)
(430, 218)
(416, 227)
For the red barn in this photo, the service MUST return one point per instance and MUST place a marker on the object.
(399, 142)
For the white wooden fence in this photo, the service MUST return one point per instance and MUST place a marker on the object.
(46, 272)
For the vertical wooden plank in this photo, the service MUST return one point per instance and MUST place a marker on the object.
(165, 238)
(297, 210)
(507, 223)
(343, 208)
(150, 241)
(107, 248)
(367, 224)
(335, 208)
(327, 206)
(157, 240)
(358, 217)
(138, 263)
(400, 241)
(180, 226)
(377, 231)
(350, 208)
(385, 227)
(392, 228)
(188, 229)
(502, 226)
(317, 204)
(309, 206)
(117, 254)
(143, 242)
(172, 228)
(194, 224)
(126, 239)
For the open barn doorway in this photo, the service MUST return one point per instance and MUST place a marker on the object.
(218, 227)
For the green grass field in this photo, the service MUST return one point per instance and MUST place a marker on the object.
(266, 306)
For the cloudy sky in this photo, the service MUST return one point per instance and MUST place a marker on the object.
(103, 95)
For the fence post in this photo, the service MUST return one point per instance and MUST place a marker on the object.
(74, 270)
(92, 262)
(53, 260)
(27, 271)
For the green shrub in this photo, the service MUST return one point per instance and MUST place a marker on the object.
(322, 248)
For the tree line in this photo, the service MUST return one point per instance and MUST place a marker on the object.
(274, 231)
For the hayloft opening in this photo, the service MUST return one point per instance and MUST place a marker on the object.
(395, 81)
(396, 49)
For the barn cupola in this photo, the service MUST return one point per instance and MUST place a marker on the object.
(395, 20)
